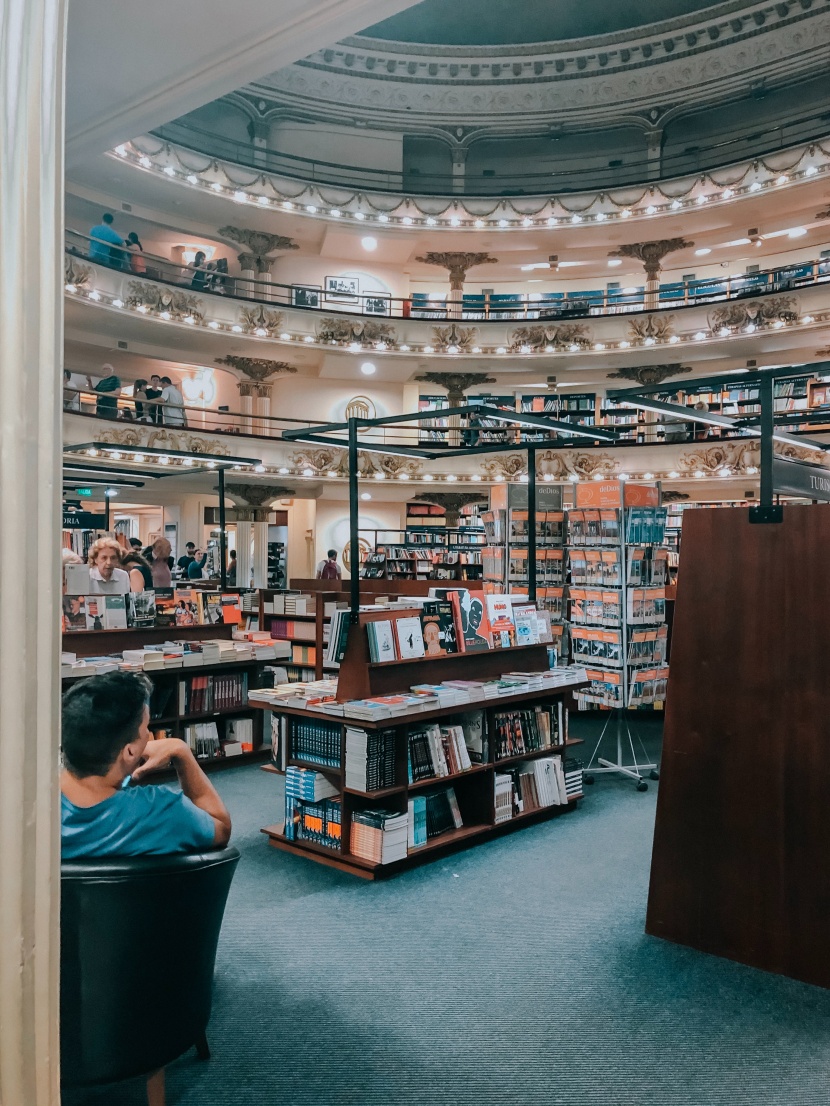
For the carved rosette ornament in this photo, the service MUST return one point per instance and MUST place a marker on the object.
(657, 328)
(649, 374)
(258, 244)
(454, 339)
(260, 318)
(548, 338)
(456, 383)
(343, 332)
(758, 313)
(256, 368)
(652, 253)
(156, 297)
(457, 264)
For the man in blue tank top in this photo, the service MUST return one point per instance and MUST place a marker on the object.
(107, 749)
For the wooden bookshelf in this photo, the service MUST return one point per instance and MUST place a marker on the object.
(474, 788)
(318, 618)
(100, 643)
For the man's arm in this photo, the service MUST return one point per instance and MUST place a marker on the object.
(195, 784)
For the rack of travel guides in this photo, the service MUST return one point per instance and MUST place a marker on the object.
(451, 740)
(618, 570)
(201, 676)
(304, 621)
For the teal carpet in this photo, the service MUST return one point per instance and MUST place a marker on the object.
(516, 972)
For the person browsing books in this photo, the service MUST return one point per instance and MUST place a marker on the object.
(329, 569)
(194, 569)
(106, 745)
(106, 577)
(184, 562)
(139, 571)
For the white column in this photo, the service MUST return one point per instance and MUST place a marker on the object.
(244, 536)
(260, 554)
(262, 409)
(246, 406)
(244, 282)
(265, 279)
(32, 44)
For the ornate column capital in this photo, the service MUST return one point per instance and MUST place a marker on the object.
(650, 374)
(256, 368)
(452, 502)
(456, 383)
(457, 264)
(258, 244)
(246, 387)
(262, 391)
(652, 253)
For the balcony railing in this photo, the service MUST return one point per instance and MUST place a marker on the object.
(569, 174)
(210, 281)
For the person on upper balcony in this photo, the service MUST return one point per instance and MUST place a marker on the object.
(104, 240)
(198, 268)
(172, 404)
(136, 251)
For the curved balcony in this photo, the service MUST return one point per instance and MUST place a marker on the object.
(345, 197)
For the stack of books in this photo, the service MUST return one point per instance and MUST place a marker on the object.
(573, 777)
(370, 759)
(306, 784)
(319, 822)
(503, 797)
(443, 813)
(379, 836)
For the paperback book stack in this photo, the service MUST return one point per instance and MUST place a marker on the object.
(538, 784)
(417, 827)
(307, 784)
(317, 822)
(573, 777)
(434, 751)
(442, 812)
(316, 742)
(503, 797)
(203, 739)
(379, 836)
(370, 759)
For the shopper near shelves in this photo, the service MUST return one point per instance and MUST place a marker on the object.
(173, 404)
(184, 562)
(231, 576)
(135, 545)
(139, 571)
(107, 745)
(104, 242)
(159, 566)
(106, 577)
(329, 569)
(194, 569)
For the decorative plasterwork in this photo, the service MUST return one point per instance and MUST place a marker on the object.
(191, 169)
(456, 383)
(738, 315)
(651, 253)
(550, 337)
(259, 318)
(455, 339)
(139, 434)
(452, 502)
(671, 496)
(259, 245)
(650, 374)
(652, 328)
(673, 62)
(711, 459)
(330, 461)
(256, 368)
(457, 264)
(257, 495)
(343, 332)
(75, 272)
(170, 302)
(556, 464)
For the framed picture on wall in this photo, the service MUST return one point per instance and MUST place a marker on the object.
(307, 296)
(377, 303)
(340, 289)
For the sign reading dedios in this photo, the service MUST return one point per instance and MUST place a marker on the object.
(805, 481)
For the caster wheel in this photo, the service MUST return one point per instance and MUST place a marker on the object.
(642, 786)
(588, 780)
(654, 774)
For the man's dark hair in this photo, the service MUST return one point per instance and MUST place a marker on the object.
(107, 218)
(332, 554)
(232, 553)
(100, 716)
(135, 543)
(166, 380)
(190, 545)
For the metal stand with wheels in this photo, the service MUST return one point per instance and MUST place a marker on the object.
(635, 770)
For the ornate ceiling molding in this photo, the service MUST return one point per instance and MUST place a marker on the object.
(550, 338)
(649, 374)
(652, 328)
(141, 434)
(259, 318)
(651, 253)
(455, 339)
(259, 245)
(345, 331)
(776, 311)
(257, 495)
(170, 303)
(456, 383)
(256, 368)
(457, 264)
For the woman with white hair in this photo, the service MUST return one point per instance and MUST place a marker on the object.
(105, 575)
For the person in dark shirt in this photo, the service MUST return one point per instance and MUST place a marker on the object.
(184, 562)
(153, 410)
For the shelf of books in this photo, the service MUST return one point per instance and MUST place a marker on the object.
(304, 623)
(618, 571)
(428, 549)
(429, 740)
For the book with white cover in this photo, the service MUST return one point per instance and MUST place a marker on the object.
(384, 639)
(410, 638)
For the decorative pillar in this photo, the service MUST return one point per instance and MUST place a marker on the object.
(32, 46)
(262, 424)
(654, 152)
(651, 254)
(246, 405)
(456, 385)
(260, 558)
(457, 264)
(255, 261)
(452, 502)
(244, 534)
(247, 266)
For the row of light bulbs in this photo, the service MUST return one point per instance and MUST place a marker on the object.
(450, 351)
(241, 196)
(426, 478)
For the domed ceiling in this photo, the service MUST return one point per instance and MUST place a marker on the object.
(515, 22)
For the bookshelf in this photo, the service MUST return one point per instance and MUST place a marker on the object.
(304, 621)
(328, 827)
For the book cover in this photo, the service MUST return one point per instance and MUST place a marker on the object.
(410, 637)
(213, 608)
(431, 629)
(525, 618)
(188, 607)
(141, 612)
(74, 613)
(477, 634)
(446, 626)
(94, 609)
(77, 579)
(231, 611)
(384, 641)
(115, 612)
(502, 627)
(165, 607)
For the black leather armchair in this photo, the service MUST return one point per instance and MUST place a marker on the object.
(138, 946)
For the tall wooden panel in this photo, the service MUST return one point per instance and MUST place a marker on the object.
(741, 863)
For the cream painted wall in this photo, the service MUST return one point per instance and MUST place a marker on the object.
(373, 276)
(302, 521)
(298, 398)
(333, 524)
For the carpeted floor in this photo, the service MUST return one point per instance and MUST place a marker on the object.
(516, 972)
